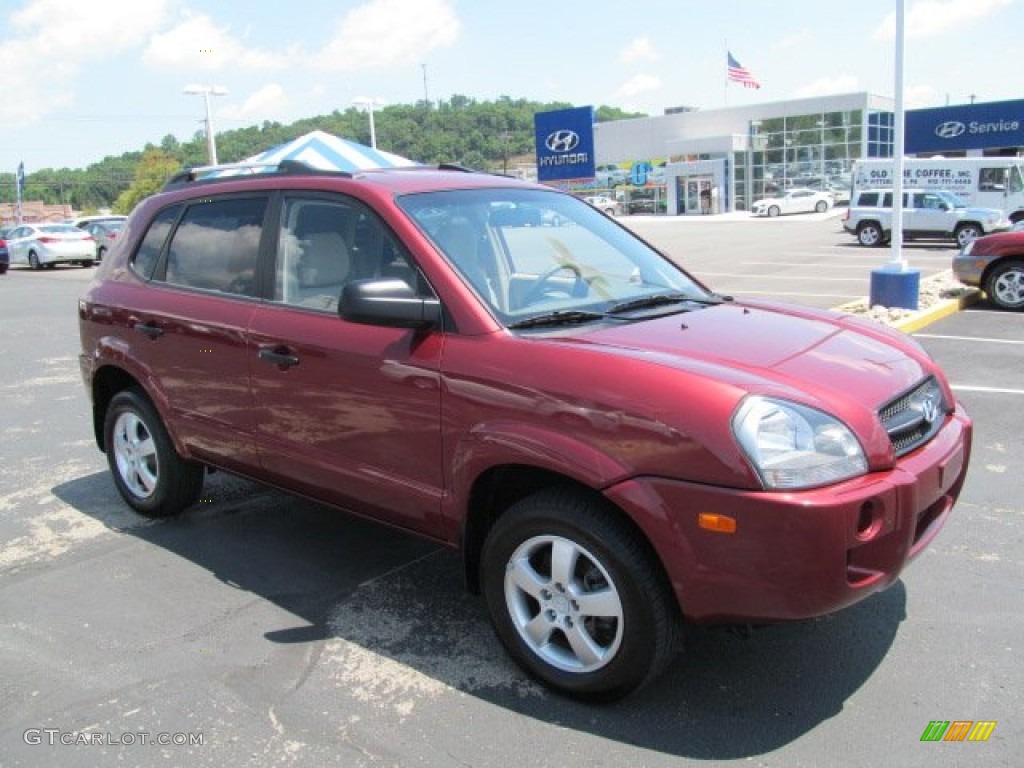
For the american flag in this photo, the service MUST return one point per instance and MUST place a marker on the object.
(740, 74)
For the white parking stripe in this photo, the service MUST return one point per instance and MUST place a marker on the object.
(987, 390)
(968, 338)
(780, 277)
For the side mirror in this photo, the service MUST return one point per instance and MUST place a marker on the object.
(388, 302)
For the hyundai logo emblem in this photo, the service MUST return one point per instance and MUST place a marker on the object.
(562, 141)
(950, 129)
(928, 406)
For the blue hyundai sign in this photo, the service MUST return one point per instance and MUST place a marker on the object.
(969, 126)
(565, 144)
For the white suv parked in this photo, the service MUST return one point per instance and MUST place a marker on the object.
(935, 214)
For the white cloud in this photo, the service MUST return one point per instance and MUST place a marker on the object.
(929, 18)
(637, 85)
(263, 104)
(197, 43)
(389, 33)
(46, 43)
(639, 49)
(826, 86)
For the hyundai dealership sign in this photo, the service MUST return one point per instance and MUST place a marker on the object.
(970, 126)
(565, 144)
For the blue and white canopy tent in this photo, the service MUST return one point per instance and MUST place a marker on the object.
(325, 152)
(317, 149)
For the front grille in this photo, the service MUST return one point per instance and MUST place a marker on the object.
(913, 418)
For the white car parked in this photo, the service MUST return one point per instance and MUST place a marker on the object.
(793, 201)
(44, 245)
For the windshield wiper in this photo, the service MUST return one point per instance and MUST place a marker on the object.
(659, 299)
(560, 317)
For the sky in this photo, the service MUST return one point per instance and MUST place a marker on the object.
(86, 79)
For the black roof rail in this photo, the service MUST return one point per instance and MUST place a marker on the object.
(197, 174)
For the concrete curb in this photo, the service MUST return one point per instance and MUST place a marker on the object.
(917, 320)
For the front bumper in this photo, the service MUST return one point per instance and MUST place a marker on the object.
(803, 554)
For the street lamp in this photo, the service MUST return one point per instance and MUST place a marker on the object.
(207, 91)
(368, 104)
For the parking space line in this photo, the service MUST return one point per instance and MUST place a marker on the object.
(783, 277)
(844, 296)
(981, 339)
(986, 390)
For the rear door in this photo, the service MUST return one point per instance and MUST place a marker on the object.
(344, 412)
(187, 327)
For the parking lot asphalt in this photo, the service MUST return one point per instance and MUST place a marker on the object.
(276, 631)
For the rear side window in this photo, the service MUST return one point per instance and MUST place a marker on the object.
(869, 199)
(148, 255)
(215, 247)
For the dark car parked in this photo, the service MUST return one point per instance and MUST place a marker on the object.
(5, 256)
(612, 447)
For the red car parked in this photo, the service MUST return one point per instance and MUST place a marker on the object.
(500, 367)
(995, 263)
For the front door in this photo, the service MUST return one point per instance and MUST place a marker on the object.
(346, 413)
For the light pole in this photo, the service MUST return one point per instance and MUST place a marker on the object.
(368, 104)
(207, 91)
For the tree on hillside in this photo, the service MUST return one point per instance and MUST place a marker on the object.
(150, 174)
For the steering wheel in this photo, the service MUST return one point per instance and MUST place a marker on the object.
(537, 289)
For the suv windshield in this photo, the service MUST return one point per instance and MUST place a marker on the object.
(528, 253)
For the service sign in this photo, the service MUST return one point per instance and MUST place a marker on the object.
(969, 126)
(565, 144)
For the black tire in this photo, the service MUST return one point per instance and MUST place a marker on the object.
(1004, 285)
(773, 211)
(870, 233)
(821, 206)
(33, 260)
(634, 637)
(148, 472)
(100, 252)
(965, 233)
(86, 263)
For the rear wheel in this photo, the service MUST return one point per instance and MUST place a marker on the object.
(870, 234)
(575, 596)
(33, 260)
(821, 206)
(148, 472)
(87, 263)
(1005, 285)
(965, 233)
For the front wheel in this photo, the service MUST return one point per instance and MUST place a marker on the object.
(576, 597)
(1005, 285)
(773, 211)
(148, 472)
(965, 233)
(33, 260)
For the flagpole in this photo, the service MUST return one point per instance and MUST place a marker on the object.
(725, 86)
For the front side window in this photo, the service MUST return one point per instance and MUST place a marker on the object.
(326, 243)
(215, 247)
(527, 253)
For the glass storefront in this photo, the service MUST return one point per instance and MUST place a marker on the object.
(814, 150)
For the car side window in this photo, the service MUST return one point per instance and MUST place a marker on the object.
(869, 199)
(148, 254)
(325, 244)
(215, 246)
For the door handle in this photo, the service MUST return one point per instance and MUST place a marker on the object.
(149, 329)
(279, 356)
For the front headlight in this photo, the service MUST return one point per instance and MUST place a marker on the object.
(792, 446)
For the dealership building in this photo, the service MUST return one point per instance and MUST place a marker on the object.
(736, 155)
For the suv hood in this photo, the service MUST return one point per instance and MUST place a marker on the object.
(773, 349)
